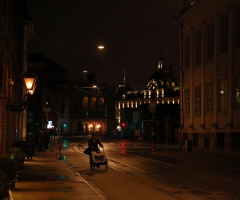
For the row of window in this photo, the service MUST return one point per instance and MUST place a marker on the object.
(223, 39)
(87, 106)
(222, 96)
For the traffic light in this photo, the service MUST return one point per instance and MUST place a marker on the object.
(65, 125)
(123, 124)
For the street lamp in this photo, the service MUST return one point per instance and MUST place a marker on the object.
(30, 86)
(100, 47)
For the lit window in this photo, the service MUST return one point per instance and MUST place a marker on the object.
(157, 93)
(149, 93)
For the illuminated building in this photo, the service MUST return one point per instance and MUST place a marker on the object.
(210, 75)
(137, 112)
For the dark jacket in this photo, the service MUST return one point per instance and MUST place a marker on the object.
(93, 144)
(30, 144)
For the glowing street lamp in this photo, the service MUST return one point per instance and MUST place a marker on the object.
(100, 47)
(30, 84)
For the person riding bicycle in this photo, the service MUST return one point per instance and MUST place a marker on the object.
(93, 143)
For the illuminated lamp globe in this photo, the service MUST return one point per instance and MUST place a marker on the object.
(100, 47)
(29, 84)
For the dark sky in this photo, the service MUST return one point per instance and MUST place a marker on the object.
(134, 33)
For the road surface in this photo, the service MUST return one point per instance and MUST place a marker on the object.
(135, 172)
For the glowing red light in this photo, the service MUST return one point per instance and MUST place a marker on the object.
(123, 145)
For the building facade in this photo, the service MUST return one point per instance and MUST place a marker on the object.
(70, 108)
(154, 107)
(16, 31)
(210, 75)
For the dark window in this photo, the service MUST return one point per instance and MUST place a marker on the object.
(187, 101)
(195, 139)
(75, 109)
(206, 142)
(236, 140)
(220, 140)
(210, 40)
(209, 97)
(187, 53)
(62, 108)
(224, 33)
(198, 47)
(197, 100)
(237, 31)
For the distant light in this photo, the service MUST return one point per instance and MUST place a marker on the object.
(100, 47)
(85, 71)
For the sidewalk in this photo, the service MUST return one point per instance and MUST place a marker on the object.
(46, 177)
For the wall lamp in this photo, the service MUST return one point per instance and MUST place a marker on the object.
(30, 83)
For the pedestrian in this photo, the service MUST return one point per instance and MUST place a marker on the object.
(30, 145)
(40, 140)
(154, 135)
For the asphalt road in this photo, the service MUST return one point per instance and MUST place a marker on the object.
(135, 172)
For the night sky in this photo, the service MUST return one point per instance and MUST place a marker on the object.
(134, 33)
